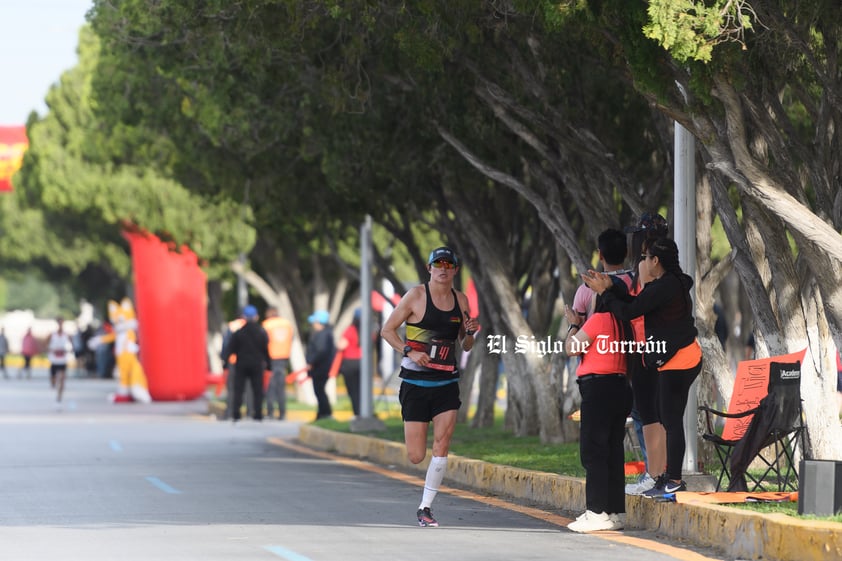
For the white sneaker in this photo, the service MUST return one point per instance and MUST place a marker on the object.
(643, 484)
(591, 522)
(618, 520)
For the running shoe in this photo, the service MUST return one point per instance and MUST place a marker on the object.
(643, 484)
(658, 489)
(592, 522)
(425, 518)
(675, 487)
(665, 486)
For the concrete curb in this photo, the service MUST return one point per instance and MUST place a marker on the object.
(739, 534)
(736, 533)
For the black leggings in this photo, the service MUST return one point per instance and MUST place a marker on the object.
(673, 390)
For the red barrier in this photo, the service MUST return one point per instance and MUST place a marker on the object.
(170, 299)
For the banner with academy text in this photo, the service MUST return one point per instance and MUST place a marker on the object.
(750, 386)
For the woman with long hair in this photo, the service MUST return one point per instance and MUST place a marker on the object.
(644, 380)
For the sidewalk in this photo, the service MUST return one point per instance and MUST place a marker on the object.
(737, 534)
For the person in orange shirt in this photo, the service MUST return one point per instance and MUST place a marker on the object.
(606, 402)
(280, 331)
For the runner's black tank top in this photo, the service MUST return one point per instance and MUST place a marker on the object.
(436, 335)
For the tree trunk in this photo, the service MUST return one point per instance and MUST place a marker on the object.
(532, 405)
(216, 326)
(716, 372)
(487, 398)
(818, 380)
(563, 374)
(785, 302)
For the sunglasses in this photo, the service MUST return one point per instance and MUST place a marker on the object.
(442, 265)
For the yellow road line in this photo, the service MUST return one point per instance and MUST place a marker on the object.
(555, 519)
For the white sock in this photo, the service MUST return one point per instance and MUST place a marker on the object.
(435, 473)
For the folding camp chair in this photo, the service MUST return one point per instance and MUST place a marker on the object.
(775, 422)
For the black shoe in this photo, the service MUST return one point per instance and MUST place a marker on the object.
(675, 487)
(658, 489)
(425, 518)
(665, 486)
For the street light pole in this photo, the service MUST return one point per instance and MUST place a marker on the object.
(685, 239)
(366, 421)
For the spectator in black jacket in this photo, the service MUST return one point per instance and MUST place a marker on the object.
(250, 344)
(320, 352)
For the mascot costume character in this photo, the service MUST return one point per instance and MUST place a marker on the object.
(133, 385)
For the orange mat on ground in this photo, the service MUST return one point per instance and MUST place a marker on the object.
(725, 498)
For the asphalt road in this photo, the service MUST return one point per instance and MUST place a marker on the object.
(93, 481)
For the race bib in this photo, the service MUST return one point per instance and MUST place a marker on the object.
(442, 355)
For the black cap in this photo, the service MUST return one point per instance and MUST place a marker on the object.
(650, 221)
(442, 254)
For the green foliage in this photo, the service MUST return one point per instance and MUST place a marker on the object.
(79, 188)
(787, 508)
(315, 113)
(558, 14)
(259, 119)
(719, 241)
(31, 292)
(4, 294)
(689, 29)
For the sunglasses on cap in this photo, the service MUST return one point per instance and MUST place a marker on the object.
(442, 265)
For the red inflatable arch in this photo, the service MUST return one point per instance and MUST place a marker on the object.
(170, 300)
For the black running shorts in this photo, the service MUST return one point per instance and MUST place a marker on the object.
(421, 404)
